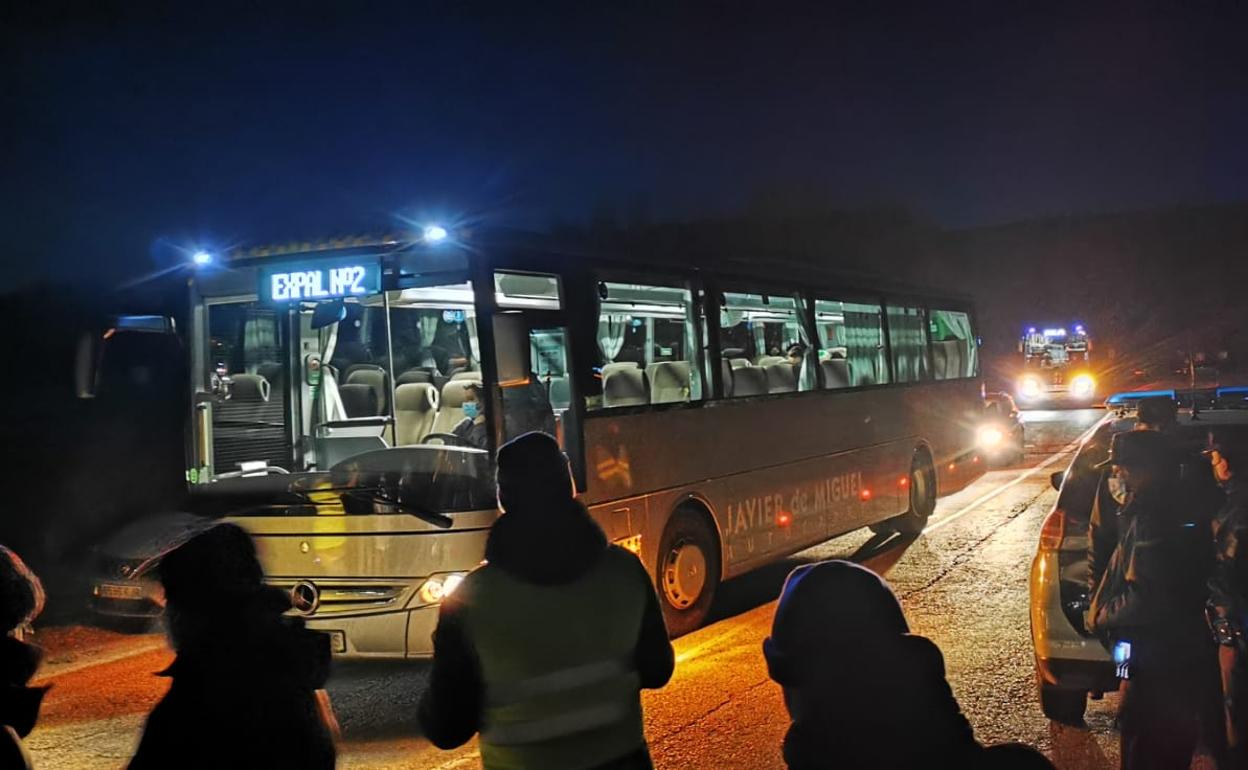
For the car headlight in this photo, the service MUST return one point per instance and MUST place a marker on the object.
(1083, 385)
(438, 587)
(989, 437)
(1030, 387)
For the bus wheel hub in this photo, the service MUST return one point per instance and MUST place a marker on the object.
(685, 575)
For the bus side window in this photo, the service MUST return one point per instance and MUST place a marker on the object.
(851, 344)
(954, 354)
(647, 346)
(908, 339)
(764, 345)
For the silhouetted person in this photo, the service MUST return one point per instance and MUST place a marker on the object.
(1152, 597)
(246, 678)
(1228, 587)
(544, 649)
(861, 690)
(21, 600)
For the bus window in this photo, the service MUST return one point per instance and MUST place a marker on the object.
(851, 344)
(647, 346)
(541, 402)
(954, 353)
(764, 346)
(434, 337)
(907, 338)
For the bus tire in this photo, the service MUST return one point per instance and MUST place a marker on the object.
(922, 497)
(687, 571)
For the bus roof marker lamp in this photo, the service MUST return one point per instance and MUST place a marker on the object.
(434, 234)
(201, 258)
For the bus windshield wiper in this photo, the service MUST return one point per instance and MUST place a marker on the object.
(439, 520)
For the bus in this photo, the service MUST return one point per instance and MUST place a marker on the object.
(718, 414)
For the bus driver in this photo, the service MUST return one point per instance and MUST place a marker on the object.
(472, 430)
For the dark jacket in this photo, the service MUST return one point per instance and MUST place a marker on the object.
(473, 434)
(550, 547)
(873, 703)
(243, 696)
(1228, 586)
(1103, 526)
(1154, 585)
(19, 704)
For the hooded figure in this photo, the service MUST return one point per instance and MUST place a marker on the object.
(861, 690)
(246, 679)
(544, 649)
(21, 600)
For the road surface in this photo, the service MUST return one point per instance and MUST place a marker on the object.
(963, 584)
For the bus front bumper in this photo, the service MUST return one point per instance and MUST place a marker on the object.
(389, 635)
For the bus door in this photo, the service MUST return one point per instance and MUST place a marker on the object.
(532, 356)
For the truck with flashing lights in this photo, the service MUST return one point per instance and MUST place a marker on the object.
(1056, 365)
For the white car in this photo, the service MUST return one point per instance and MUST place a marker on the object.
(1071, 664)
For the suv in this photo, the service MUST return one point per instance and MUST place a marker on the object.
(1071, 664)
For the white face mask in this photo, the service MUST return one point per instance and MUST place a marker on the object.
(1117, 489)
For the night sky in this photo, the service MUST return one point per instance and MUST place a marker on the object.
(131, 134)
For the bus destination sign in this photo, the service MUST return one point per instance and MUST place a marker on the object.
(320, 280)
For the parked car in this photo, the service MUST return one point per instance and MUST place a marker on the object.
(1071, 664)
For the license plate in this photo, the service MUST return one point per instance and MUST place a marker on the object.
(338, 640)
(112, 591)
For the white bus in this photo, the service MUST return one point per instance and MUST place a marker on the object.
(718, 416)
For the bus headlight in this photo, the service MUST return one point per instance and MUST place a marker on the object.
(1030, 387)
(438, 587)
(1083, 385)
(989, 437)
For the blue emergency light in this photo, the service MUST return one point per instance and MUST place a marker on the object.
(1135, 395)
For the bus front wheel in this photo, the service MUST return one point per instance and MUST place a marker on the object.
(687, 571)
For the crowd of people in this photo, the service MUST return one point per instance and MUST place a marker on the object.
(527, 660)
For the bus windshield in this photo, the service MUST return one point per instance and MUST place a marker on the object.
(304, 387)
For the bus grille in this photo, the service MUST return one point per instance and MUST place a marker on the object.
(340, 598)
(248, 431)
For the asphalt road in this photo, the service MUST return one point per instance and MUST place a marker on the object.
(963, 584)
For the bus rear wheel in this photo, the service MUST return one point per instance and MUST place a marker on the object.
(687, 572)
(922, 498)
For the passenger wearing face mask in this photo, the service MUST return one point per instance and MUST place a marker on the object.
(472, 430)
(1149, 606)
(1228, 586)
(1155, 413)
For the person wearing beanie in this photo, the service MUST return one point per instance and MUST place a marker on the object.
(21, 601)
(861, 690)
(545, 648)
(246, 681)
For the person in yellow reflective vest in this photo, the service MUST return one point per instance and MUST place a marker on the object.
(545, 648)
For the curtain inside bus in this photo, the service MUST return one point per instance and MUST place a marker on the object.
(907, 337)
(954, 351)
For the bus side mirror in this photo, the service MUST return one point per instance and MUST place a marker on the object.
(511, 346)
(1056, 479)
(86, 365)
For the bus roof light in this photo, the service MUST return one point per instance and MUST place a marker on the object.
(201, 258)
(435, 233)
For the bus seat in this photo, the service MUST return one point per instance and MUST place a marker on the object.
(835, 373)
(451, 406)
(864, 377)
(465, 374)
(767, 361)
(359, 400)
(781, 378)
(415, 407)
(726, 374)
(625, 386)
(248, 387)
(412, 376)
(560, 393)
(669, 381)
(616, 365)
(374, 377)
(740, 363)
(749, 381)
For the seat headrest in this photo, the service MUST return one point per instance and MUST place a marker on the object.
(624, 387)
(749, 381)
(668, 373)
(416, 397)
(453, 393)
(359, 400)
(466, 375)
(615, 366)
(835, 373)
(781, 378)
(740, 363)
(248, 387)
(766, 361)
(414, 376)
